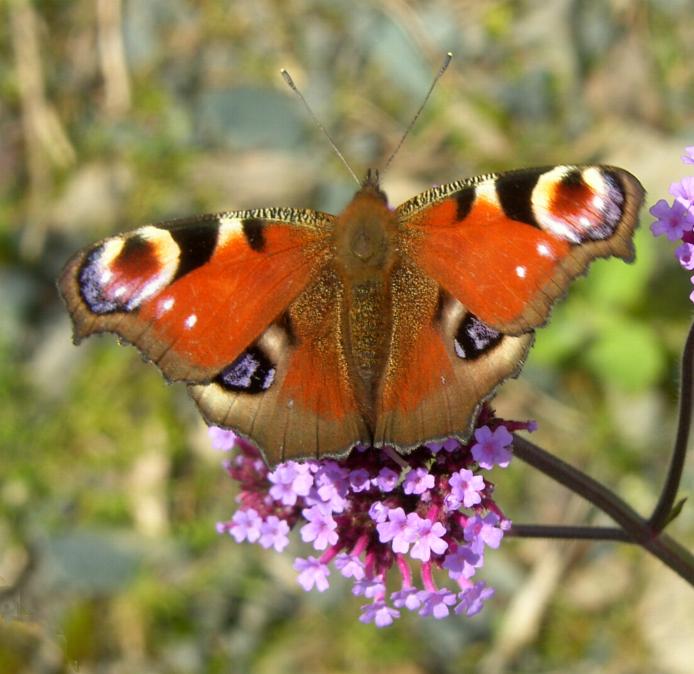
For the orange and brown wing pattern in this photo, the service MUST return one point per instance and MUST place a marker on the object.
(488, 257)
(508, 245)
(193, 294)
(245, 307)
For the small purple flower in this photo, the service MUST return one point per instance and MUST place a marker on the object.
(417, 481)
(379, 613)
(320, 528)
(407, 598)
(221, 438)
(685, 254)
(483, 530)
(387, 479)
(359, 480)
(371, 588)
(282, 479)
(246, 525)
(683, 191)
(463, 562)
(429, 539)
(378, 512)
(673, 221)
(400, 528)
(466, 488)
(436, 603)
(688, 156)
(491, 448)
(273, 533)
(350, 566)
(472, 599)
(332, 485)
(312, 573)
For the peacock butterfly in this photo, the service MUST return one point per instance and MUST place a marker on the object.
(310, 333)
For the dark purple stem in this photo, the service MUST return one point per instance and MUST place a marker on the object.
(633, 527)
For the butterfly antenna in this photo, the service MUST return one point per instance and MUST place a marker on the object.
(290, 82)
(442, 70)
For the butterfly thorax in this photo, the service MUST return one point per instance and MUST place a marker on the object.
(365, 252)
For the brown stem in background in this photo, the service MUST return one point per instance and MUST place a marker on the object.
(44, 137)
(112, 61)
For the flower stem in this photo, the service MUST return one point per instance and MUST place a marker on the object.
(636, 528)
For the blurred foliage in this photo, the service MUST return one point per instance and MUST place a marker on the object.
(116, 114)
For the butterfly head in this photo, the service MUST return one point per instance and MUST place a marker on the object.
(371, 185)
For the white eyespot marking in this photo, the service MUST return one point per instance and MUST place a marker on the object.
(443, 380)
(584, 222)
(521, 271)
(598, 202)
(106, 276)
(191, 321)
(544, 250)
(119, 291)
(167, 304)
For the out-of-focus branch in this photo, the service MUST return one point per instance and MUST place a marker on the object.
(114, 68)
(45, 141)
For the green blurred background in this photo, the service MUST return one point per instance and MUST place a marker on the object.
(115, 114)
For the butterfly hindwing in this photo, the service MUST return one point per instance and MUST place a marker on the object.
(508, 245)
(311, 408)
(443, 364)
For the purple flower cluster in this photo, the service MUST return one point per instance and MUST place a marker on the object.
(676, 220)
(376, 510)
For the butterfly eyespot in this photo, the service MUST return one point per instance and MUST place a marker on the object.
(251, 372)
(473, 338)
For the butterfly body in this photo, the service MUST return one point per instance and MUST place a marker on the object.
(310, 333)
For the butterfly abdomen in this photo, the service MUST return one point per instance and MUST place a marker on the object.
(365, 254)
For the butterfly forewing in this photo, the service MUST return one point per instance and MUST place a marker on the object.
(506, 246)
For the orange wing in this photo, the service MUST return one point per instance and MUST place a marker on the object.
(244, 307)
(488, 257)
(194, 293)
(507, 246)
